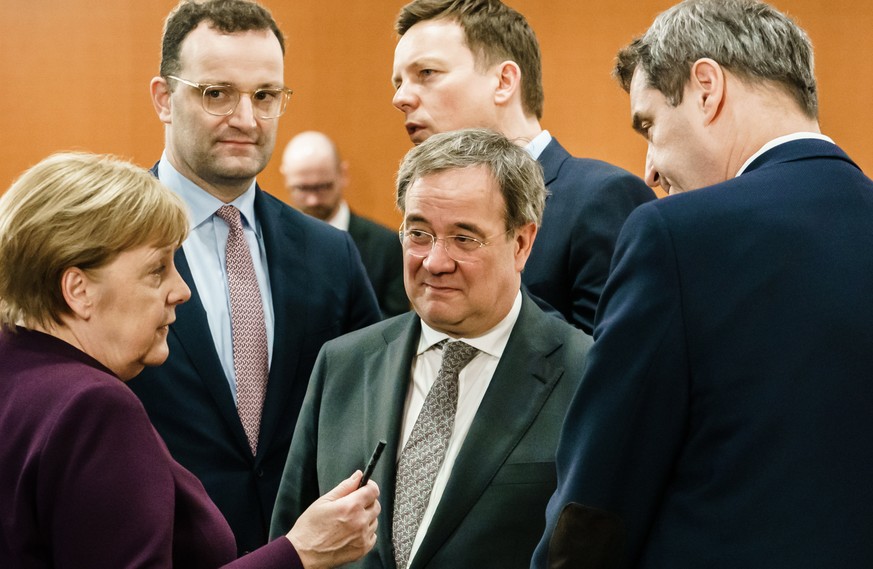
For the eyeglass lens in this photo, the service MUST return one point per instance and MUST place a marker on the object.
(459, 247)
(223, 100)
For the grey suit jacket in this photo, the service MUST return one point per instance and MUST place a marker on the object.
(492, 511)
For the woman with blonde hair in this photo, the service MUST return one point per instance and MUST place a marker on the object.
(88, 290)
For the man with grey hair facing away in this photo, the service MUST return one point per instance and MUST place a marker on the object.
(737, 432)
(470, 458)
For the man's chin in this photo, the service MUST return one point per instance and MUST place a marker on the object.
(238, 169)
(420, 136)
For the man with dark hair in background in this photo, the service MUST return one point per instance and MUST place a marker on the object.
(263, 300)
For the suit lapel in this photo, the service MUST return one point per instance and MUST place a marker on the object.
(285, 246)
(551, 159)
(191, 330)
(384, 402)
(522, 382)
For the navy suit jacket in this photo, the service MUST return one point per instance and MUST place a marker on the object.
(491, 513)
(382, 255)
(588, 203)
(188, 397)
(725, 416)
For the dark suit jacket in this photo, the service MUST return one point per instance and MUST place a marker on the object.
(725, 415)
(86, 482)
(588, 203)
(188, 397)
(382, 255)
(491, 514)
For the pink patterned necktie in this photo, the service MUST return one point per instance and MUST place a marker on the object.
(425, 450)
(248, 331)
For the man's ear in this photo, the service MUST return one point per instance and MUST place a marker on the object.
(77, 292)
(160, 92)
(343, 175)
(708, 87)
(508, 82)
(524, 240)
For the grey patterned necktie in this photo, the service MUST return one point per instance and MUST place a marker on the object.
(424, 451)
(248, 330)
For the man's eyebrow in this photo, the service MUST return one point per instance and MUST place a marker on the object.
(637, 124)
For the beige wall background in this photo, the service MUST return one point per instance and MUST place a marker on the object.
(76, 76)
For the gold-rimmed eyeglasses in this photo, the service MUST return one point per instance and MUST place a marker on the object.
(461, 248)
(221, 100)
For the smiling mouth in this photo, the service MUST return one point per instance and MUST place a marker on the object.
(439, 289)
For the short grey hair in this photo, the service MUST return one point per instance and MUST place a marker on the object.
(748, 38)
(518, 175)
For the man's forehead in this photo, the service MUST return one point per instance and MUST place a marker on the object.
(207, 47)
(643, 97)
(639, 83)
(430, 39)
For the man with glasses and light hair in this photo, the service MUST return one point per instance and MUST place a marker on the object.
(469, 390)
(736, 433)
(263, 300)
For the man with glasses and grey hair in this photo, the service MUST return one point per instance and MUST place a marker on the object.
(469, 390)
(263, 300)
(737, 431)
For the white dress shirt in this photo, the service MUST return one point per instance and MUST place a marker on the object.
(473, 381)
(342, 217)
(536, 146)
(205, 252)
(782, 140)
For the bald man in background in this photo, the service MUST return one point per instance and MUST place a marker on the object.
(315, 176)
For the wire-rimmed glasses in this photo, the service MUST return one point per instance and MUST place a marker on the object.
(222, 99)
(461, 248)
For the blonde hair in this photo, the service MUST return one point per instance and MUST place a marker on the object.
(76, 210)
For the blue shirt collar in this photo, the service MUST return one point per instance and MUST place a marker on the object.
(201, 204)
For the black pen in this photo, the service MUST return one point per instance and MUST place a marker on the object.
(371, 466)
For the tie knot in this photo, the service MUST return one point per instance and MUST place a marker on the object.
(456, 355)
(230, 215)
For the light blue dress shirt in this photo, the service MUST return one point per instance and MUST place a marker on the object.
(205, 251)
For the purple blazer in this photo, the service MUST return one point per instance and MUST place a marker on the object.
(85, 481)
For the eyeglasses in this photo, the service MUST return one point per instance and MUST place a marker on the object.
(314, 188)
(461, 248)
(222, 100)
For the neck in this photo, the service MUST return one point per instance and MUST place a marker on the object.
(519, 127)
(61, 331)
(224, 189)
(766, 115)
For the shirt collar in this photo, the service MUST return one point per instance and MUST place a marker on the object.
(492, 342)
(201, 204)
(341, 218)
(536, 146)
(782, 140)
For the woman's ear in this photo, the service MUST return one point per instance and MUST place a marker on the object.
(76, 288)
